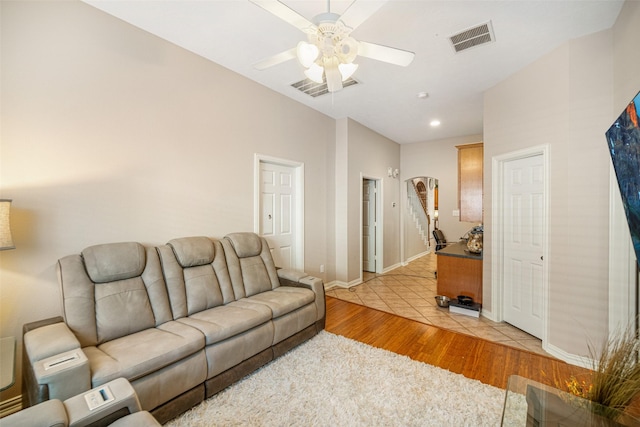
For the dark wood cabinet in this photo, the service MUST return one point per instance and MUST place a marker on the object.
(459, 272)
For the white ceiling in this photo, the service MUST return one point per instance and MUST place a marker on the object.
(236, 34)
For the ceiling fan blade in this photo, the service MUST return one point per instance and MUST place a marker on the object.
(385, 54)
(275, 59)
(360, 11)
(285, 13)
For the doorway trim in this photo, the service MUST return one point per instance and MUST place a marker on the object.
(259, 159)
(379, 223)
(498, 232)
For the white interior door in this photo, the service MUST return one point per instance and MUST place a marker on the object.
(277, 214)
(523, 214)
(369, 225)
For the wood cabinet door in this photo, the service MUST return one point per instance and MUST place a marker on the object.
(470, 166)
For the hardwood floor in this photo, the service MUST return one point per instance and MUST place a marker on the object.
(489, 362)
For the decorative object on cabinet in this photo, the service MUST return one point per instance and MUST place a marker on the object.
(474, 241)
(470, 167)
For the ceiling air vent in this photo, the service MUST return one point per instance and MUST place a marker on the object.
(480, 34)
(314, 89)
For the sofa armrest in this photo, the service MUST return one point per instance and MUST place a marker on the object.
(56, 366)
(301, 279)
(290, 277)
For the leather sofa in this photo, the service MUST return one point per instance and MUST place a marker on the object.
(180, 321)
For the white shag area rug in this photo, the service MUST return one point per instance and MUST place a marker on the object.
(335, 381)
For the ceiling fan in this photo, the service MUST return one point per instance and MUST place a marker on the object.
(330, 51)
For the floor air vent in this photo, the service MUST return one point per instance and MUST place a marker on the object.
(480, 34)
(314, 89)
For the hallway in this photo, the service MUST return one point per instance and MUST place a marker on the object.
(409, 292)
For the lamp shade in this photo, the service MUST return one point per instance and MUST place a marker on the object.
(307, 53)
(6, 242)
(347, 70)
(314, 73)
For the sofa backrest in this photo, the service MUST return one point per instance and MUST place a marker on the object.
(250, 264)
(112, 290)
(196, 274)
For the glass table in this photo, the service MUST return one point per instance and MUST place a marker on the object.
(532, 404)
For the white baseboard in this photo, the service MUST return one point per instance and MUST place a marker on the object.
(330, 285)
(572, 359)
(9, 406)
(488, 314)
(392, 267)
(344, 285)
(415, 257)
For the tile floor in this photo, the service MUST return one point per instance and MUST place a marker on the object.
(409, 292)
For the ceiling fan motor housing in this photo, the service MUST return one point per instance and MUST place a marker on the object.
(332, 38)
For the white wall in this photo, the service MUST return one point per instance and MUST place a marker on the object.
(111, 134)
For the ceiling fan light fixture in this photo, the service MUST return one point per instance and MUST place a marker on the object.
(329, 51)
(307, 53)
(347, 49)
(347, 70)
(314, 73)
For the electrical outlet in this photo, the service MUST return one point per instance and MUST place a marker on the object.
(321, 268)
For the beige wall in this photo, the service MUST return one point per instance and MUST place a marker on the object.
(565, 100)
(439, 159)
(626, 60)
(363, 153)
(111, 134)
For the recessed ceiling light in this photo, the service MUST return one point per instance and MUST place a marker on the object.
(423, 95)
(435, 123)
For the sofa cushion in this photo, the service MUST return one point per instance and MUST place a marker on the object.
(195, 288)
(122, 308)
(250, 264)
(225, 321)
(114, 261)
(101, 302)
(245, 244)
(284, 299)
(193, 251)
(139, 354)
